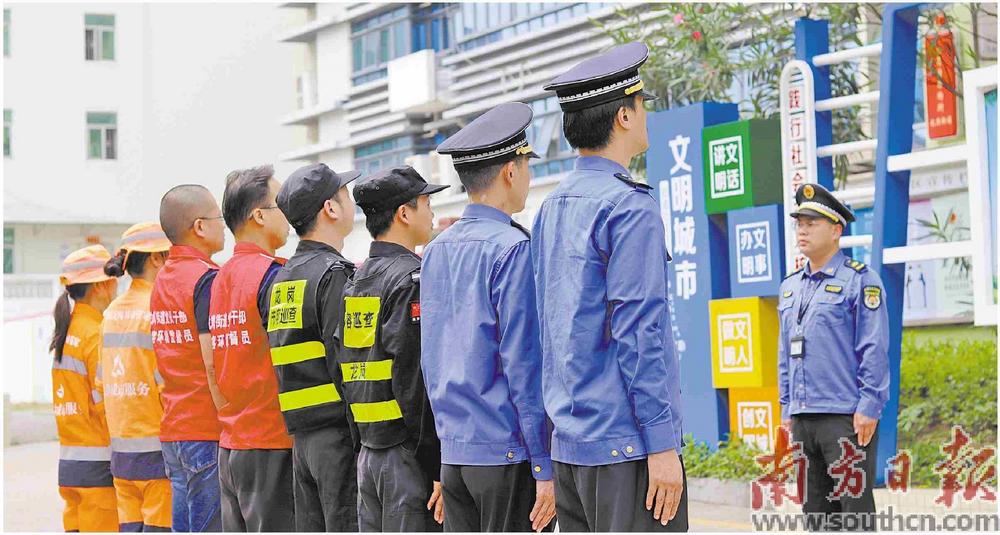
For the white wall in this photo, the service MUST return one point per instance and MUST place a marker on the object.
(333, 57)
(37, 246)
(49, 87)
(198, 88)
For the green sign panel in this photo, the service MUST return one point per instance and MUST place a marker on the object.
(742, 164)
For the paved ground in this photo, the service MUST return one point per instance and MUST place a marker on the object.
(32, 502)
(32, 425)
(31, 499)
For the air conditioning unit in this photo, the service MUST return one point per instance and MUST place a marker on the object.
(413, 84)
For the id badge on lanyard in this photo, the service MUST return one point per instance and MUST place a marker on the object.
(797, 346)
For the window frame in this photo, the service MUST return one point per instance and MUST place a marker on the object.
(8, 130)
(526, 20)
(6, 32)
(562, 155)
(8, 250)
(105, 129)
(400, 148)
(393, 16)
(99, 30)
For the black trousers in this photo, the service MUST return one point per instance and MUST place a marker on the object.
(325, 476)
(256, 490)
(610, 498)
(820, 436)
(393, 491)
(488, 498)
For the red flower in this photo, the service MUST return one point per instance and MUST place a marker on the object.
(696, 35)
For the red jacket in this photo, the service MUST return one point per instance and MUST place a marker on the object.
(252, 418)
(188, 410)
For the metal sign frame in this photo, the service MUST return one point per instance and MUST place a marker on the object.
(976, 83)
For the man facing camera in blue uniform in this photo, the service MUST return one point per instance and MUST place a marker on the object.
(482, 358)
(833, 364)
(610, 374)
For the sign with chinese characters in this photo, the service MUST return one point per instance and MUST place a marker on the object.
(940, 85)
(755, 250)
(798, 145)
(744, 342)
(699, 269)
(754, 416)
(742, 168)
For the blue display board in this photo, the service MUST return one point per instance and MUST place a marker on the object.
(699, 270)
(756, 251)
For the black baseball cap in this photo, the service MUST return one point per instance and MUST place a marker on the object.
(389, 188)
(305, 191)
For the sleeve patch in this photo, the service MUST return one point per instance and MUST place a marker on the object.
(872, 297)
(415, 312)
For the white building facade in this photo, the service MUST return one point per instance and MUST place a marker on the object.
(106, 107)
(386, 83)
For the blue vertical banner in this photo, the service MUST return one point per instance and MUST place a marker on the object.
(897, 87)
(756, 251)
(699, 271)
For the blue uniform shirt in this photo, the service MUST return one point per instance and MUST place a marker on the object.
(481, 356)
(845, 326)
(609, 369)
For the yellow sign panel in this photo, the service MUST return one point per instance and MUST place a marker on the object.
(286, 305)
(754, 416)
(360, 321)
(744, 342)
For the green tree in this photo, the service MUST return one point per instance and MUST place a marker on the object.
(705, 52)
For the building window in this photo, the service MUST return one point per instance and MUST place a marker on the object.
(7, 120)
(381, 154)
(479, 24)
(99, 37)
(8, 250)
(432, 28)
(546, 137)
(6, 32)
(377, 40)
(102, 136)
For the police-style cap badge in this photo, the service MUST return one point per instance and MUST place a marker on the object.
(305, 191)
(816, 201)
(494, 137)
(602, 79)
(389, 188)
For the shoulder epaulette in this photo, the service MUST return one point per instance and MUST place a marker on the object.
(628, 180)
(860, 267)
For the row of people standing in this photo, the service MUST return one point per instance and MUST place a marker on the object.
(510, 378)
(107, 389)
